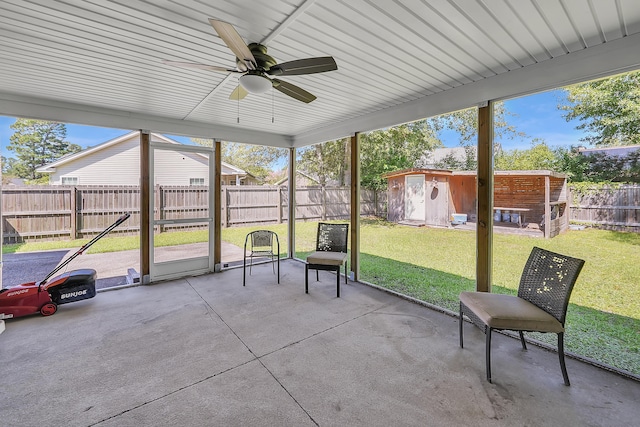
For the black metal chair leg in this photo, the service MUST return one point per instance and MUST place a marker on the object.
(317, 276)
(461, 339)
(306, 279)
(244, 271)
(563, 366)
(524, 343)
(338, 280)
(488, 353)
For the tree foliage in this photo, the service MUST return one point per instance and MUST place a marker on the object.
(608, 109)
(465, 124)
(598, 167)
(395, 148)
(327, 161)
(258, 160)
(538, 157)
(36, 143)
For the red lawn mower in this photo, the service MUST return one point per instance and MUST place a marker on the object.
(45, 296)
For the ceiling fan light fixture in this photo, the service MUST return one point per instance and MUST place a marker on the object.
(255, 83)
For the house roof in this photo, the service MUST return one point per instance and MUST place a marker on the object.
(51, 167)
(100, 63)
(611, 151)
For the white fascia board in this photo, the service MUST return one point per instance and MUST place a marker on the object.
(13, 105)
(600, 61)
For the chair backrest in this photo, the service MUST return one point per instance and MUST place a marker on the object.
(261, 238)
(548, 279)
(332, 237)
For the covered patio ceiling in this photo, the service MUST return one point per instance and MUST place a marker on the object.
(100, 62)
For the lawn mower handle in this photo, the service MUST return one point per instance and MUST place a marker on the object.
(86, 246)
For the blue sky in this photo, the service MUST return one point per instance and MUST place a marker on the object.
(536, 115)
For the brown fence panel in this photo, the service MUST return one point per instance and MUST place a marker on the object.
(181, 202)
(97, 207)
(36, 213)
(612, 208)
(56, 212)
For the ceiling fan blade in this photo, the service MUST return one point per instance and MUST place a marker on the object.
(293, 91)
(238, 93)
(199, 66)
(232, 39)
(320, 64)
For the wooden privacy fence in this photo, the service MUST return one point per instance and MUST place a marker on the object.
(613, 208)
(65, 212)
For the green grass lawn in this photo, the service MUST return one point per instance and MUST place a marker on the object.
(435, 265)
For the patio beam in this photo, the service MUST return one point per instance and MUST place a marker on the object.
(217, 203)
(145, 200)
(291, 224)
(355, 206)
(484, 228)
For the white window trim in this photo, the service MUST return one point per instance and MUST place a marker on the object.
(62, 178)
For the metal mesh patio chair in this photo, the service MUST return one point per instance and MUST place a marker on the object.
(330, 253)
(541, 304)
(261, 245)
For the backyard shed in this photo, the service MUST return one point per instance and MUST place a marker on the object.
(522, 199)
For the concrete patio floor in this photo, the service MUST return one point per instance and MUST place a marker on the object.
(206, 351)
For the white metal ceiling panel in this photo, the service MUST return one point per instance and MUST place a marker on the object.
(99, 62)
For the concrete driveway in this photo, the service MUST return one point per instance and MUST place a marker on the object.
(111, 267)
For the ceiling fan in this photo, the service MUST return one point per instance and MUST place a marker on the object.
(256, 66)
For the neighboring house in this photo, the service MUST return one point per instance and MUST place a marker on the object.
(621, 151)
(13, 182)
(117, 162)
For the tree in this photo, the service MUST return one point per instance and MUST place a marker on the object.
(598, 167)
(390, 149)
(538, 157)
(258, 160)
(327, 161)
(465, 123)
(608, 109)
(37, 142)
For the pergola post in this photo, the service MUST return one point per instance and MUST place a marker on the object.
(217, 203)
(291, 235)
(355, 206)
(484, 229)
(145, 201)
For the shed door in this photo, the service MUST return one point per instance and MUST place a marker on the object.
(437, 203)
(414, 198)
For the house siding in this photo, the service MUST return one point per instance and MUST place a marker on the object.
(119, 164)
(116, 165)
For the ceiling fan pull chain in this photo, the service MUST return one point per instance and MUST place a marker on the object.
(273, 120)
(238, 100)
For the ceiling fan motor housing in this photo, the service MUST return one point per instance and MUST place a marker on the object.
(263, 60)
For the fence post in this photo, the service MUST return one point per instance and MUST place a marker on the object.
(225, 203)
(158, 212)
(73, 220)
(279, 190)
(323, 189)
